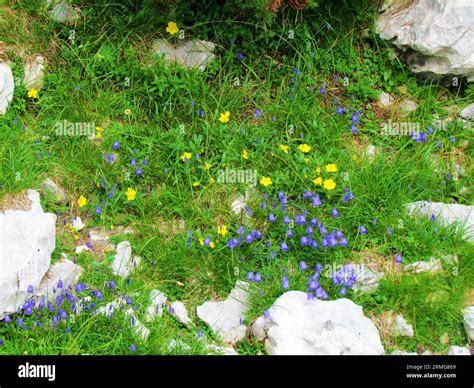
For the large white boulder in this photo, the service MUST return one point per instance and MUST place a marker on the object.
(438, 34)
(225, 317)
(27, 239)
(295, 325)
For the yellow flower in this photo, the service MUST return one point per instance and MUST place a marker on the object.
(172, 28)
(82, 201)
(318, 170)
(128, 112)
(284, 148)
(318, 181)
(33, 93)
(131, 194)
(196, 184)
(331, 167)
(212, 245)
(222, 230)
(266, 181)
(212, 181)
(224, 117)
(207, 166)
(307, 160)
(98, 132)
(329, 184)
(186, 156)
(201, 241)
(305, 148)
(245, 154)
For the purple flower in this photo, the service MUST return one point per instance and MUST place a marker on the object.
(305, 240)
(133, 162)
(30, 289)
(133, 348)
(389, 230)
(300, 219)
(339, 110)
(289, 233)
(232, 243)
(286, 220)
(116, 145)
(362, 229)
(257, 113)
(271, 217)
(343, 242)
(398, 259)
(98, 210)
(307, 194)
(322, 90)
(334, 213)
(303, 266)
(240, 57)
(250, 276)
(285, 282)
(138, 171)
(284, 247)
(258, 277)
(316, 201)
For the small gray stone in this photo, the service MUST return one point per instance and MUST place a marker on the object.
(458, 351)
(178, 310)
(408, 106)
(55, 190)
(34, 72)
(433, 265)
(385, 99)
(178, 345)
(468, 113)
(225, 317)
(402, 327)
(191, 53)
(222, 350)
(403, 353)
(7, 86)
(123, 263)
(64, 13)
(367, 279)
(468, 314)
(158, 300)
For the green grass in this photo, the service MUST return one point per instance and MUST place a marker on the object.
(87, 82)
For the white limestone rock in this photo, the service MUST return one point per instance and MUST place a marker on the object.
(191, 53)
(225, 317)
(447, 214)
(123, 263)
(437, 35)
(402, 328)
(65, 271)
(34, 72)
(367, 279)
(458, 351)
(27, 239)
(297, 326)
(51, 187)
(468, 315)
(178, 310)
(155, 309)
(7, 87)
